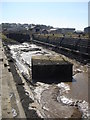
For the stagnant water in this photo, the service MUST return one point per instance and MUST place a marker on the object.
(75, 92)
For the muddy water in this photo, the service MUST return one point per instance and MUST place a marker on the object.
(79, 87)
(54, 109)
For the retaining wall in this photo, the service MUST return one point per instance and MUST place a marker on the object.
(73, 47)
(77, 44)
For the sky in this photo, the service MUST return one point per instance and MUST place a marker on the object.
(56, 14)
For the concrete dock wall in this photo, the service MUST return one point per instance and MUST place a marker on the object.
(75, 44)
(20, 37)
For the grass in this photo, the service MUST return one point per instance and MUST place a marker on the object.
(69, 35)
(51, 35)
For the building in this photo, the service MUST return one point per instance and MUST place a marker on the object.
(62, 30)
(87, 30)
(55, 31)
(68, 30)
(44, 31)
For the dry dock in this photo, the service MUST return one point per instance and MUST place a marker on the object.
(20, 99)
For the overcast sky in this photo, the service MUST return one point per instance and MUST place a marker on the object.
(56, 14)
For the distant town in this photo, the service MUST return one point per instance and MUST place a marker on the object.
(41, 29)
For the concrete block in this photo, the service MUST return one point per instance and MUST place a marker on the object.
(51, 68)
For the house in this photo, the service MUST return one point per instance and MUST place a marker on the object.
(53, 31)
(87, 30)
(44, 31)
(68, 30)
(61, 30)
